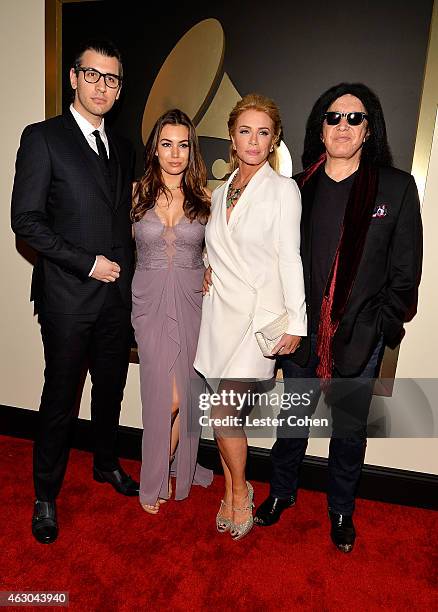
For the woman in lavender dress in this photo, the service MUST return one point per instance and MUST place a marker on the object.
(170, 209)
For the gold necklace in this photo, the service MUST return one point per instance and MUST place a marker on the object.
(173, 187)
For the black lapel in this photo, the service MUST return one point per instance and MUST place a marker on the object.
(115, 150)
(307, 199)
(90, 159)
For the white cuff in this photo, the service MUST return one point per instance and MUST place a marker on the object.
(94, 267)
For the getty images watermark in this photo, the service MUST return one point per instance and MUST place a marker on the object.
(298, 407)
(239, 403)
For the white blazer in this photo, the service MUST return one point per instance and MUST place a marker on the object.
(257, 275)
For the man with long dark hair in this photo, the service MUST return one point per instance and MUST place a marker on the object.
(71, 202)
(361, 243)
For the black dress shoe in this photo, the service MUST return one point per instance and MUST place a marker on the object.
(270, 510)
(342, 532)
(44, 523)
(122, 483)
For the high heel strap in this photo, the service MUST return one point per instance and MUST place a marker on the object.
(249, 496)
(250, 507)
(239, 530)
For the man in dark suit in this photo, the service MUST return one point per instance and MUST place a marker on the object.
(71, 202)
(361, 246)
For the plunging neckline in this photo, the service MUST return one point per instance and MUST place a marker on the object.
(230, 180)
(243, 196)
(232, 209)
(243, 201)
(165, 224)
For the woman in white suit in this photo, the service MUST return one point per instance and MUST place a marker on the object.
(255, 274)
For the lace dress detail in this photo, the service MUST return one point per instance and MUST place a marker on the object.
(166, 314)
(160, 246)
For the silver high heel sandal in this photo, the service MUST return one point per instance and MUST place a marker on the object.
(239, 530)
(223, 524)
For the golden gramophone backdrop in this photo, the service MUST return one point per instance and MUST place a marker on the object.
(202, 56)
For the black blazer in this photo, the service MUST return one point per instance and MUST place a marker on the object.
(62, 206)
(385, 291)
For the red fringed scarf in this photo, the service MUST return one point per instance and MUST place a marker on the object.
(358, 214)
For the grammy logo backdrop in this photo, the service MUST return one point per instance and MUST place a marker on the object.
(203, 56)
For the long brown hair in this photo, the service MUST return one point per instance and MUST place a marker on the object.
(258, 102)
(150, 186)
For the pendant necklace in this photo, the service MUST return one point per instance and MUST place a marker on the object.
(170, 188)
(233, 194)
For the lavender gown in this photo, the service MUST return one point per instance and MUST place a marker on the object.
(166, 314)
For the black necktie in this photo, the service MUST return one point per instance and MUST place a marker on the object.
(101, 147)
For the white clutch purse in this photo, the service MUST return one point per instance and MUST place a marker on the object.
(268, 336)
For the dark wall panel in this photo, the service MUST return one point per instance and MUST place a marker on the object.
(291, 51)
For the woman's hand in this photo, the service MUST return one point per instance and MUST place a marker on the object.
(207, 281)
(287, 345)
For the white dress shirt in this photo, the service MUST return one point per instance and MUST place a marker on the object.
(87, 130)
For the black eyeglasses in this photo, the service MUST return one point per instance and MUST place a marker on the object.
(91, 75)
(334, 118)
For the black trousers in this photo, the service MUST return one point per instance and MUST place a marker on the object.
(349, 400)
(71, 342)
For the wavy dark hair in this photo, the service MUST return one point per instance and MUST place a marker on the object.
(375, 149)
(150, 186)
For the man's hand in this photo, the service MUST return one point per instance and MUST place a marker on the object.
(207, 281)
(106, 271)
(287, 345)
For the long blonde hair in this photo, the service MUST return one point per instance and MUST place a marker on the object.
(258, 102)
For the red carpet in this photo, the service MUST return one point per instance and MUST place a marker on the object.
(111, 555)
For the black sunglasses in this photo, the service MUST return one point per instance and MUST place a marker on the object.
(333, 118)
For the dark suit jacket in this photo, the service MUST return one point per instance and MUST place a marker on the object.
(385, 290)
(62, 207)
